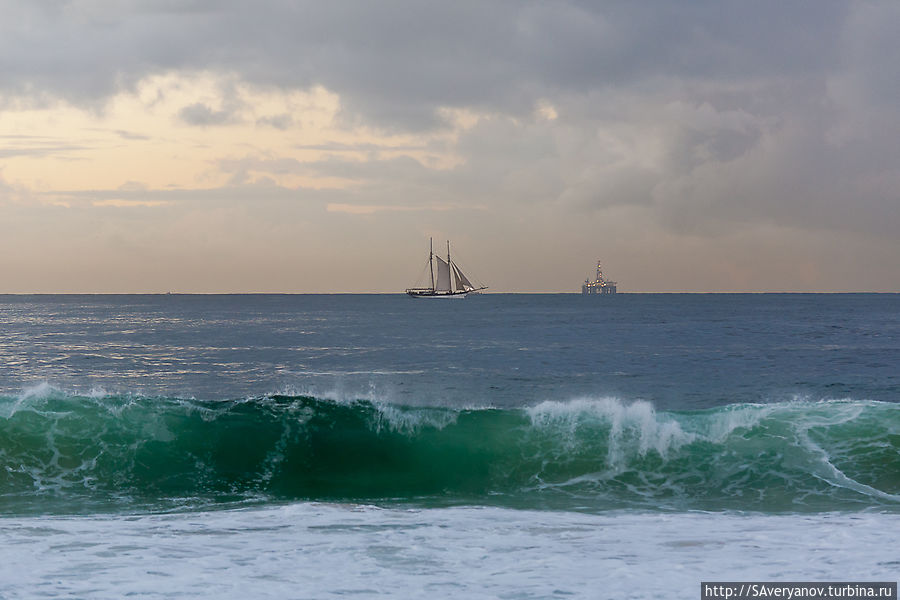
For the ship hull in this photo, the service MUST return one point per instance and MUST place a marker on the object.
(429, 294)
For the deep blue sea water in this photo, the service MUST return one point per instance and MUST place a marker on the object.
(515, 446)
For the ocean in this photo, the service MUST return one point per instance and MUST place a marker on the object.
(501, 446)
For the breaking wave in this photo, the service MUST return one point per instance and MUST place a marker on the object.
(64, 452)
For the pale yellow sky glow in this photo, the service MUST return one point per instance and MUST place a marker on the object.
(216, 147)
(141, 138)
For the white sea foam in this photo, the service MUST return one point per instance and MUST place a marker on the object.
(39, 391)
(411, 420)
(322, 551)
(28, 398)
(632, 426)
(723, 422)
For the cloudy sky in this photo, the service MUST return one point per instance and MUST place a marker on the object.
(233, 146)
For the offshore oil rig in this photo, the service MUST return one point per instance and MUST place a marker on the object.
(599, 285)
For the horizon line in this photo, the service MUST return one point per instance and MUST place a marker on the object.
(785, 292)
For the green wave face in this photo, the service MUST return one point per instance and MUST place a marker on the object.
(69, 453)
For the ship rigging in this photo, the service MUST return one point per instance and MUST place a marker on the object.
(446, 281)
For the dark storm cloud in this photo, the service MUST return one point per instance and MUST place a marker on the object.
(396, 62)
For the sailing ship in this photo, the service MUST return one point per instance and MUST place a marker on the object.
(447, 281)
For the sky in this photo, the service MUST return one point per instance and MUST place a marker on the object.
(218, 146)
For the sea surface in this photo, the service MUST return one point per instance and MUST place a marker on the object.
(500, 446)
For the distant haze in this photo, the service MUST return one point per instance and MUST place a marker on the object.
(220, 146)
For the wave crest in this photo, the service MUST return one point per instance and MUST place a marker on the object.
(588, 453)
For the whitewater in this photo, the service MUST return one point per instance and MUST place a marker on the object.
(316, 550)
(509, 446)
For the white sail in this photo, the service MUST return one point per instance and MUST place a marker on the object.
(443, 275)
(462, 283)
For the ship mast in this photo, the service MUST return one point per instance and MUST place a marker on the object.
(431, 260)
(449, 274)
